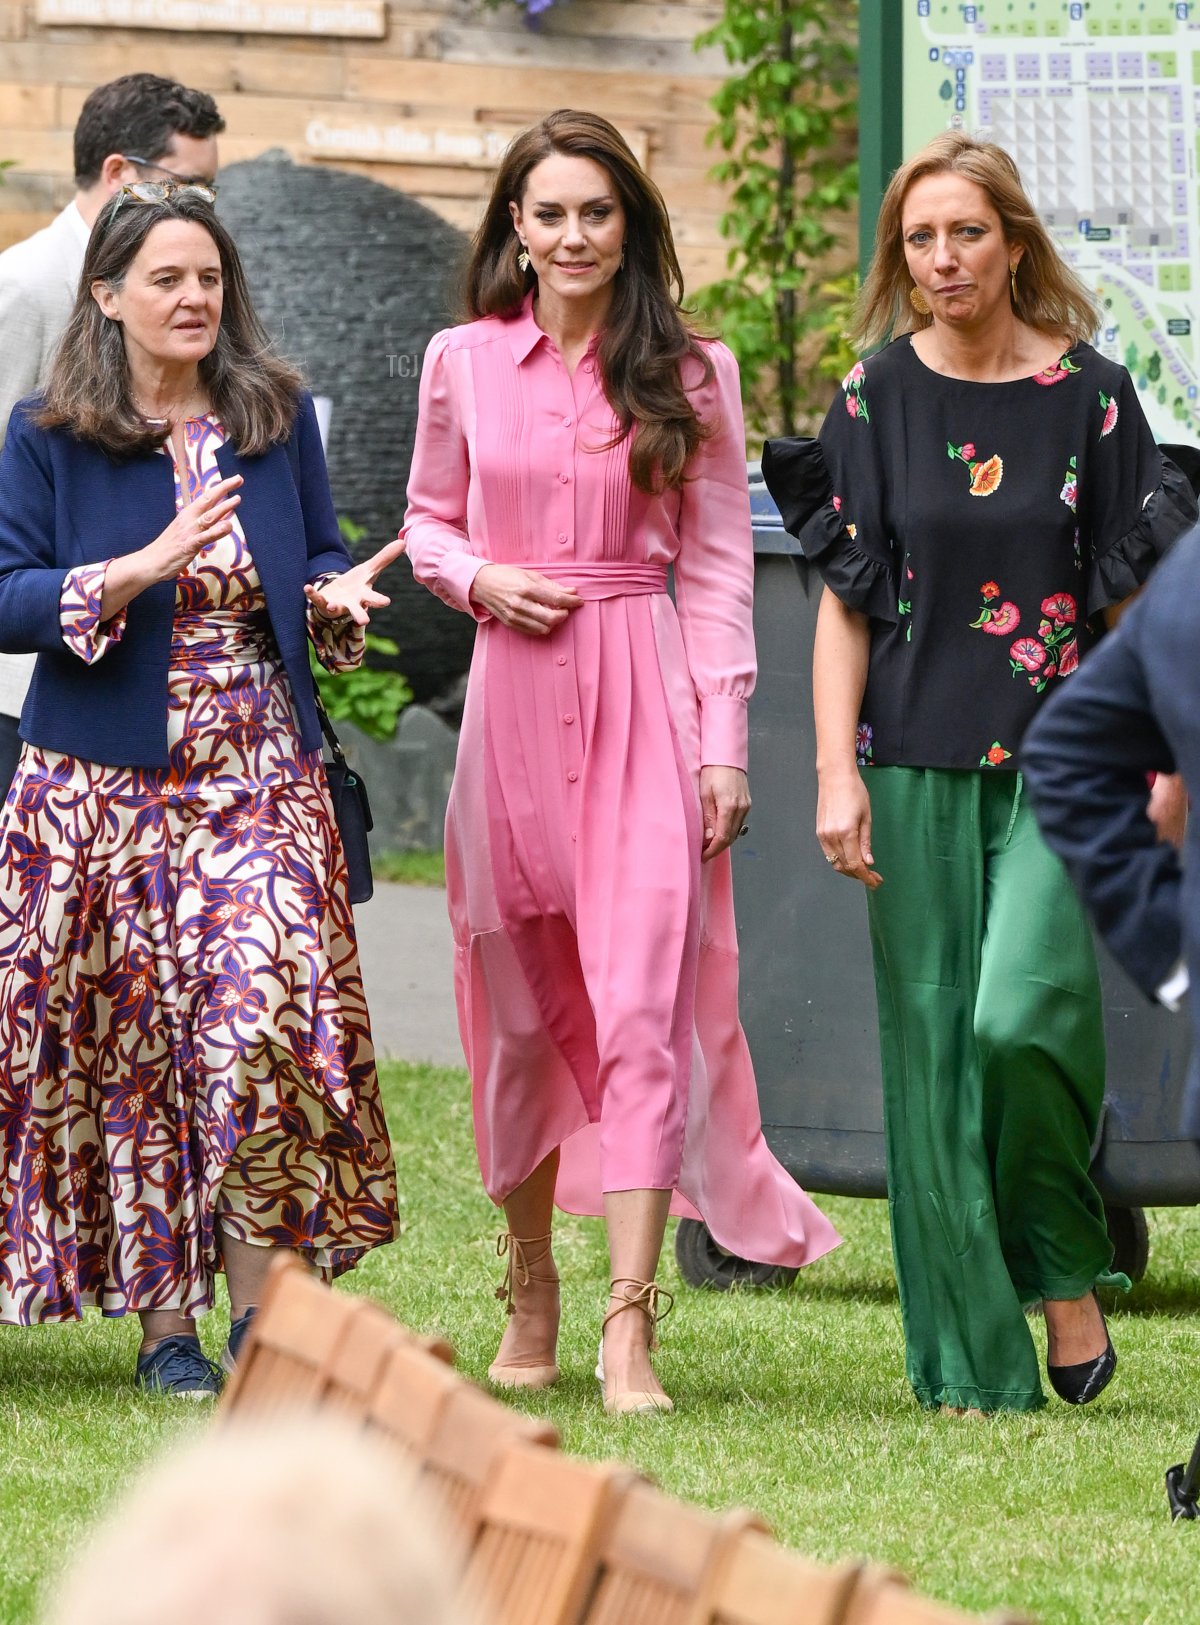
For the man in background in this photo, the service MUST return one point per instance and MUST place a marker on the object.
(137, 128)
(1133, 708)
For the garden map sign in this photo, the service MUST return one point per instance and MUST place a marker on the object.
(1098, 103)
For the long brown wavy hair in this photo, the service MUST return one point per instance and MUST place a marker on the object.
(645, 339)
(252, 390)
(1049, 295)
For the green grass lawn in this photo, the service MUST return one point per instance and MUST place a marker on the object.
(791, 1402)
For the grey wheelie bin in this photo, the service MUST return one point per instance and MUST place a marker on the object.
(807, 994)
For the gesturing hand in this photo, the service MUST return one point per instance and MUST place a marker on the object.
(724, 801)
(352, 595)
(193, 527)
(523, 599)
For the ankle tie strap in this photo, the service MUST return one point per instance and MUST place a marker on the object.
(653, 1300)
(516, 1271)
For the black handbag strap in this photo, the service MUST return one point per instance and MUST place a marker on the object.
(331, 738)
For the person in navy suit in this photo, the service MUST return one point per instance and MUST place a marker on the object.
(189, 1080)
(1132, 709)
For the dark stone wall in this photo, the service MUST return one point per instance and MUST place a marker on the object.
(352, 279)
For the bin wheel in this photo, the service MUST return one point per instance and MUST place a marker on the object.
(703, 1263)
(1130, 1238)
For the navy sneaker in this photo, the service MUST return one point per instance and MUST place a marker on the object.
(237, 1336)
(177, 1366)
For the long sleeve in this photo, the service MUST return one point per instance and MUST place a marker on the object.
(714, 570)
(31, 579)
(1085, 760)
(435, 523)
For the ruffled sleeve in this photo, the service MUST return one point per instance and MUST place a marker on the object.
(830, 493)
(1136, 502)
(83, 632)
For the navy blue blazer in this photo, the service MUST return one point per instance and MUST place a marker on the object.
(64, 502)
(1132, 707)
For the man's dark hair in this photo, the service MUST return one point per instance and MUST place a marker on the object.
(139, 114)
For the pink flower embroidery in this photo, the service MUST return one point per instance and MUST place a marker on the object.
(1063, 368)
(855, 376)
(1068, 658)
(852, 405)
(1028, 652)
(1060, 606)
(1005, 618)
(969, 449)
(837, 504)
(1109, 403)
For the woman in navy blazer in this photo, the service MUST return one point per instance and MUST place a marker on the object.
(191, 1082)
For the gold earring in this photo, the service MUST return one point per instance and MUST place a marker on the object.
(918, 301)
(523, 259)
(621, 266)
(1012, 281)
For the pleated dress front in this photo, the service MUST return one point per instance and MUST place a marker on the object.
(182, 1015)
(595, 956)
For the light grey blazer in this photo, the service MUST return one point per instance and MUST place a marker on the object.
(38, 281)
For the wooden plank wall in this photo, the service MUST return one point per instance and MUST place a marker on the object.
(447, 62)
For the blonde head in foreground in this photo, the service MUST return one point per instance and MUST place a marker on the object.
(304, 1522)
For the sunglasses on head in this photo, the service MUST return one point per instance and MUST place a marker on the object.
(160, 191)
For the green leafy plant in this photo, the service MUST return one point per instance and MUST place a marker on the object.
(785, 124)
(372, 696)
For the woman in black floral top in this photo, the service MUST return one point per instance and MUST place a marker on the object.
(984, 491)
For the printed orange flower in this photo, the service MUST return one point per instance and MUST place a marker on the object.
(985, 477)
(996, 754)
(990, 590)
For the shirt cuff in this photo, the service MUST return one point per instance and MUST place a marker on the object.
(724, 731)
(83, 632)
(1174, 990)
(339, 645)
(455, 577)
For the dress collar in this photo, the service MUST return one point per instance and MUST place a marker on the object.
(524, 333)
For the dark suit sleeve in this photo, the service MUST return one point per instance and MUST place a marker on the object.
(31, 578)
(327, 552)
(1085, 761)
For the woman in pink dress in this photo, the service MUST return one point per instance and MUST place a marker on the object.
(575, 440)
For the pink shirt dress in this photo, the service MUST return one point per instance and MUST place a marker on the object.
(595, 956)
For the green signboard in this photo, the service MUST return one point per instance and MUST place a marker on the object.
(1098, 103)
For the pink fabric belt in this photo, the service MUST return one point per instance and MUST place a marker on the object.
(602, 578)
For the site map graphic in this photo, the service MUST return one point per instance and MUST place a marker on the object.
(1099, 103)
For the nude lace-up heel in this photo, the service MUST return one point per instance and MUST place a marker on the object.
(523, 1255)
(656, 1303)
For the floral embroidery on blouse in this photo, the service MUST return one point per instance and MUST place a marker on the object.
(1070, 493)
(1063, 368)
(985, 475)
(856, 401)
(79, 613)
(864, 748)
(998, 619)
(1055, 650)
(994, 755)
(1109, 403)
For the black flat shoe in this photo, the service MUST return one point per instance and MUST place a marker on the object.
(1079, 1384)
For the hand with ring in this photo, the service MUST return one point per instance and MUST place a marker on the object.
(844, 827)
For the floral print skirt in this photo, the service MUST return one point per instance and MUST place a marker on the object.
(181, 1010)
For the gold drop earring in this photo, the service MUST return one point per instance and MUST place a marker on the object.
(918, 301)
(523, 258)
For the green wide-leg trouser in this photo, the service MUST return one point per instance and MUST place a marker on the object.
(992, 1039)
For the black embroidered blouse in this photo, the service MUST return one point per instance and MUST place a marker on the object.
(980, 526)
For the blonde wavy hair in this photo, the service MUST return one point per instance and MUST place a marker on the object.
(1048, 296)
